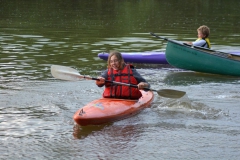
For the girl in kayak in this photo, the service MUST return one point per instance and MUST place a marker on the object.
(119, 71)
(203, 40)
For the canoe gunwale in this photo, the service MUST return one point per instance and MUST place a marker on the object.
(208, 51)
(202, 60)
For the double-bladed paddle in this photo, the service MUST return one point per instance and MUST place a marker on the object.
(70, 74)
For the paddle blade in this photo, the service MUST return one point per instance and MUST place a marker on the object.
(65, 73)
(170, 93)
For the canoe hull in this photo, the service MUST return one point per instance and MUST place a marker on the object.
(200, 60)
(140, 57)
(106, 110)
(150, 57)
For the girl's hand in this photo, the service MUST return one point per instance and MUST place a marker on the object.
(101, 81)
(142, 85)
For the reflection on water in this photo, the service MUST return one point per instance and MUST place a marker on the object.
(40, 115)
(68, 33)
(191, 78)
(184, 107)
(30, 56)
(36, 110)
(80, 132)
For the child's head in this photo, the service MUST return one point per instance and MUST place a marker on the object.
(115, 60)
(203, 31)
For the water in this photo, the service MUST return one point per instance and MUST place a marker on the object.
(36, 110)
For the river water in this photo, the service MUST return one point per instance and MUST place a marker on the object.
(36, 109)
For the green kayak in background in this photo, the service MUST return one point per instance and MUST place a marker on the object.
(200, 59)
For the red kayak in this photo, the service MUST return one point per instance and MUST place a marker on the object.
(105, 110)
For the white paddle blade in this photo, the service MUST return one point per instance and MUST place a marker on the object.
(65, 73)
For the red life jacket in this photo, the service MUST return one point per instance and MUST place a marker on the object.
(120, 91)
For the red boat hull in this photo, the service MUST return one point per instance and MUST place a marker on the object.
(107, 110)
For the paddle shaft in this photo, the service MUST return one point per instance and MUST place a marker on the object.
(120, 83)
(169, 93)
(153, 34)
(70, 74)
(67, 73)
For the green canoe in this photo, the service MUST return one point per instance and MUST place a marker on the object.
(200, 59)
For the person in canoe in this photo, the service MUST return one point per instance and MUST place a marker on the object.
(203, 40)
(119, 71)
